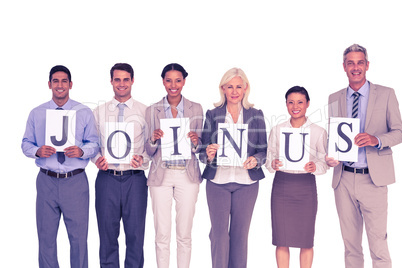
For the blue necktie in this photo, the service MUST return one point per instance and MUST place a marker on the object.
(121, 112)
(60, 155)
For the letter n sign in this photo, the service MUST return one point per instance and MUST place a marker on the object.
(119, 142)
(233, 141)
(60, 129)
(175, 143)
(294, 148)
(342, 132)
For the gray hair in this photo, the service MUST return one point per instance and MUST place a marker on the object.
(355, 48)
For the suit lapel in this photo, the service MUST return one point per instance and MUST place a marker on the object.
(342, 103)
(371, 104)
(160, 114)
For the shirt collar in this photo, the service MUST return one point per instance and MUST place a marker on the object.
(180, 106)
(306, 124)
(66, 106)
(129, 102)
(364, 90)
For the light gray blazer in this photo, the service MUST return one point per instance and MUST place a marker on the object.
(383, 120)
(153, 114)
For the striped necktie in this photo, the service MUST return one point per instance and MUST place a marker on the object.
(355, 107)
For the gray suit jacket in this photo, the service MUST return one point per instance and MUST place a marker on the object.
(257, 139)
(153, 115)
(383, 120)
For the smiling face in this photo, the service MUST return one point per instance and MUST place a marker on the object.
(60, 86)
(234, 90)
(173, 83)
(355, 66)
(122, 84)
(297, 105)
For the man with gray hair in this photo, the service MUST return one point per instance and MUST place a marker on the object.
(361, 187)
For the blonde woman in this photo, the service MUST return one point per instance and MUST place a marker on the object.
(232, 191)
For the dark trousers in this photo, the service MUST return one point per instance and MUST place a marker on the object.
(70, 197)
(235, 203)
(121, 197)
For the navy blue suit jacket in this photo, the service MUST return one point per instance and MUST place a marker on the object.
(257, 139)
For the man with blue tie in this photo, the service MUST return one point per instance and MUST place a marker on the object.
(361, 187)
(62, 185)
(121, 190)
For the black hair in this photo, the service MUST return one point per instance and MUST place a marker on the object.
(59, 68)
(122, 67)
(297, 89)
(175, 67)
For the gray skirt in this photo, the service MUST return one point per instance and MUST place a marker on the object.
(293, 210)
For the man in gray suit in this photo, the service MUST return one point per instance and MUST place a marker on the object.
(361, 187)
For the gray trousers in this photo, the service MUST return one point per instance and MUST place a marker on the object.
(70, 197)
(231, 205)
(358, 200)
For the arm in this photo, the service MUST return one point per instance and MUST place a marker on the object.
(320, 154)
(261, 145)
(90, 139)
(150, 147)
(29, 144)
(394, 123)
(207, 132)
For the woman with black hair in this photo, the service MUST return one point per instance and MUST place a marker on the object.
(294, 192)
(178, 179)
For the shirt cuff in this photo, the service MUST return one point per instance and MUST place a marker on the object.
(379, 143)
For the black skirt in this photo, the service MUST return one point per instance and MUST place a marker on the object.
(293, 210)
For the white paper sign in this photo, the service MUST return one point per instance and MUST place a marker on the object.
(294, 148)
(175, 143)
(342, 132)
(233, 140)
(119, 142)
(60, 129)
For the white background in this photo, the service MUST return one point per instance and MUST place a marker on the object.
(278, 44)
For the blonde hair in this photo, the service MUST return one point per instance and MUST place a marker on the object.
(229, 75)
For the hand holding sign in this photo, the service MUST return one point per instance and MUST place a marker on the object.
(45, 151)
(342, 144)
(364, 139)
(174, 137)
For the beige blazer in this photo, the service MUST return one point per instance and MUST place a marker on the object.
(153, 115)
(383, 120)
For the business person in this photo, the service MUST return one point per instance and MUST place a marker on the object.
(361, 187)
(232, 191)
(294, 192)
(62, 185)
(173, 179)
(121, 191)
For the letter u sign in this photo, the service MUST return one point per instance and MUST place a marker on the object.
(293, 149)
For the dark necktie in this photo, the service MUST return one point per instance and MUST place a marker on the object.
(60, 155)
(355, 109)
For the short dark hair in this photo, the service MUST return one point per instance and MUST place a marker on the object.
(174, 67)
(122, 67)
(59, 68)
(297, 89)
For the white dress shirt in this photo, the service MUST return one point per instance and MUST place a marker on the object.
(317, 150)
(134, 112)
(226, 174)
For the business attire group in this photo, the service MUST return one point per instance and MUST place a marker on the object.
(121, 188)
